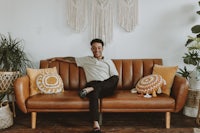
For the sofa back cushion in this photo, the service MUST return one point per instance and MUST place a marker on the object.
(130, 72)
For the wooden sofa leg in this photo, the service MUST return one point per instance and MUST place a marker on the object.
(167, 118)
(100, 118)
(33, 120)
(100, 111)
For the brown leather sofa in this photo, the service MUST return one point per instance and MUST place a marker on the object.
(130, 71)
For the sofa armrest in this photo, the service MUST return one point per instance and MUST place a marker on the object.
(21, 89)
(180, 91)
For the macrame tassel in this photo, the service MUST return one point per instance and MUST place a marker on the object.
(102, 20)
(128, 14)
(77, 14)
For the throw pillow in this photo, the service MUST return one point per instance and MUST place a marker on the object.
(150, 84)
(168, 73)
(33, 73)
(49, 83)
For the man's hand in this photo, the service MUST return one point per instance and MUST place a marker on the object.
(53, 59)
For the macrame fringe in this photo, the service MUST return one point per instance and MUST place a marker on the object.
(128, 14)
(77, 14)
(102, 20)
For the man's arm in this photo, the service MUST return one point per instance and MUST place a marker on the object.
(64, 59)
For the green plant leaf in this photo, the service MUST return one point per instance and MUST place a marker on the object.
(198, 12)
(188, 42)
(191, 58)
(184, 72)
(196, 29)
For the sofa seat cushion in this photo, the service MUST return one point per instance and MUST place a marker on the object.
(125, 101)
(66, 100)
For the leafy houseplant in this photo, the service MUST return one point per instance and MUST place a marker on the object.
(192, 57)
(12, 56)
(12, 59)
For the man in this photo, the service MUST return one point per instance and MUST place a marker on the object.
(101, 75)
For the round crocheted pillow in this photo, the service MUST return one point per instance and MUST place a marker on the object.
(150, 84)
(49, 83)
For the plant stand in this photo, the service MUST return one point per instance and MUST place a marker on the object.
(192, 104)
(13, 103)
(198, 116)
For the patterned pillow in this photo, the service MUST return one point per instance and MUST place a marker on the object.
(49, 83)
(33, 73)
(150, 84)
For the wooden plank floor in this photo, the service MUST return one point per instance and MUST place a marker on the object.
(112, 123)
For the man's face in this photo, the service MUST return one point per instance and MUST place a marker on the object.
(97, 50)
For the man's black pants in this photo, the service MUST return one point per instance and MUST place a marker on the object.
(101, 89)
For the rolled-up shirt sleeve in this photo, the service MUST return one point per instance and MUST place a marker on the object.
(113, 70)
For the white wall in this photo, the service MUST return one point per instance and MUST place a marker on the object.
(161, 33)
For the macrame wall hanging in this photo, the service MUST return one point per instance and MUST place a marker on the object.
(101, 16)
(102, 20)
(77, 14)
(128, 14)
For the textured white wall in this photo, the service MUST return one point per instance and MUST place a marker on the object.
(161, 33)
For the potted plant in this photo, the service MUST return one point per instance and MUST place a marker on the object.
(192, 71)
(13, 63)
(192, 56)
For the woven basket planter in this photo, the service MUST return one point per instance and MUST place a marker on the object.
(6, 80)
(6, 88)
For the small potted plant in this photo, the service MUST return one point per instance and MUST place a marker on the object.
(192, 56)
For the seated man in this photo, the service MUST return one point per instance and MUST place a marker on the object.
(101, 75)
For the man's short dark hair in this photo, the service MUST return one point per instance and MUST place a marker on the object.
(97, 40)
